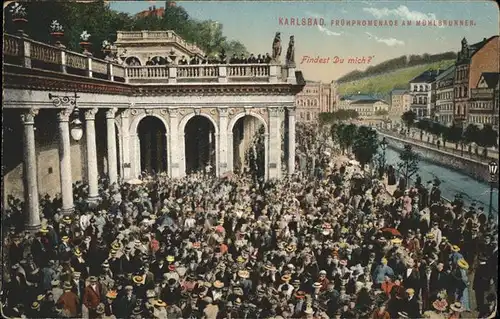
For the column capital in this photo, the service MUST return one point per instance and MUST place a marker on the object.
(28, 116)
(124, 113)
(173, 112)
(223, 111)
(64, 114)
(90, 114)
(275, 111)
(110, 114)
(291, 111)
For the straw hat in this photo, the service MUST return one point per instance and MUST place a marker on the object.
(115, 245)
(243, 274)
(457, 306)
(44, 230)
(65, 238)
(410, 291)
(67, 286)
(218, 284)
(35, 306)
(430, 236)
(291, 248)
(67, 219)
(78, 252)
(159, 303)
(111, 294)
(384, 261)
(269, 267)
(240, 259)
(137, 279)
(317, 285)
(463, 264)
(455, 248)
(40, 297)
(54, 283)
(170, 258)
(396, 241)
(92, 279)
(286, 278)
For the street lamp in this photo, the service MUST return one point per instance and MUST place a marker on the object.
(493, 169)
(76, 129)
(383, 146)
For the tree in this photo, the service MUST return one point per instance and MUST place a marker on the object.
(452, 134)
(471, 135)
(487, 137)
(345, 136)
(365, 145)
(408, 164)
(409, 118)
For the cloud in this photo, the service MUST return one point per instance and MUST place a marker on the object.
(401, 12)
(388, 41)
(328, 32)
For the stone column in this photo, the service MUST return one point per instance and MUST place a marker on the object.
(173, 144)
(65, 162)
(112, 165)
(223, 141)
(275, 142)
(30, 171)
(291, 140)
(93, 176)
(125, 149)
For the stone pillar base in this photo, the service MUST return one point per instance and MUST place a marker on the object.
(67, 211)
(33, 228)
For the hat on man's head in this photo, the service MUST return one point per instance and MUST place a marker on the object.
(243, 274)
(457, 306)
(463, 264)
(54, 283)
(170, 258)
(35, 305)
(92, 279)
(455, 248)
(410, 291)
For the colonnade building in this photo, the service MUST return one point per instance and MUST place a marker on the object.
(70, 117)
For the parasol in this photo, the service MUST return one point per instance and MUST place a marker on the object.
(134, 181)
(392, 231)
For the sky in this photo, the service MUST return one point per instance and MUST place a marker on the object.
(254, 23)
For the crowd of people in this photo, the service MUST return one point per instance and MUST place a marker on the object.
(222, 59)
(328, 245)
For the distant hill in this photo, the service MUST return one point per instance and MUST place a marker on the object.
(404, 61)
(381, 85)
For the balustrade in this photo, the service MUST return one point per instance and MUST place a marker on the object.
(23, 50)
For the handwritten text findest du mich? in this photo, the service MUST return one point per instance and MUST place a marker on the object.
(313, 22)
(336, 60)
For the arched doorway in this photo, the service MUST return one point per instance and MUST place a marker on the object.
(199, 139)
(249, 146)
(132, 61)
(153, 145)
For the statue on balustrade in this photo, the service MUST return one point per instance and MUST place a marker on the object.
(290, 53)
(276, 47)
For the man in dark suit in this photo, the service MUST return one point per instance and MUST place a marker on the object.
(411, 277)
(439, 280)
(411, 304)
(126, 303)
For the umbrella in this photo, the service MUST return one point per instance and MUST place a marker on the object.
(134, 181)
(391, 231)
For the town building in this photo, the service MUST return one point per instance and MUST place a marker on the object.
(400, 103)
(444, 96)
(367, 106)
(70, 117)
(315, 98)
(421, 90)
(472, 61)
(483, 102)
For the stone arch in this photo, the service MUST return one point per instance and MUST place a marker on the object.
(186, 118)
(135, 122)
(243, 114)
(132, 57)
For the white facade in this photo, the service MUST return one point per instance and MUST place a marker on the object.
(421, 99)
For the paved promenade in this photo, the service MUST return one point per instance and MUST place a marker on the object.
(453, 148)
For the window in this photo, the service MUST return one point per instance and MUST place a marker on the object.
(465, 91)
(308, 116)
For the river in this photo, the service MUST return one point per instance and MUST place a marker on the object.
(452, 182)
